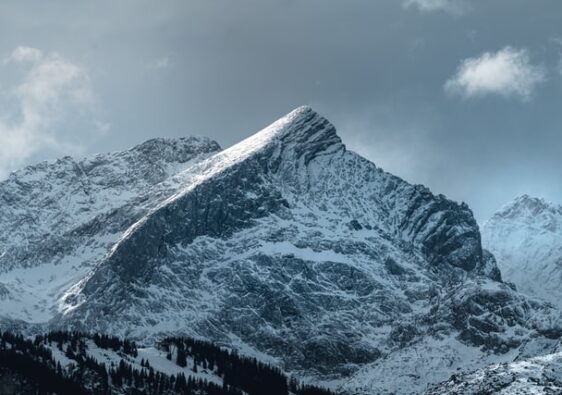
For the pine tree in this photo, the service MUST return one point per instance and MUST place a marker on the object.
(181, 358)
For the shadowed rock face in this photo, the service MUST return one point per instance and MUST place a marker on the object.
(289, 246)
(46, 206)
(58, 219)
(446, 232)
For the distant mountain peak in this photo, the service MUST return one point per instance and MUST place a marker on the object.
(530, 207)
(529, 201)
(525, 237)
(176, 144)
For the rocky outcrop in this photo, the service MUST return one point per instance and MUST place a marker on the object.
(539, 375)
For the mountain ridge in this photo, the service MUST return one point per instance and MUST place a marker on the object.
(44, 206)
(293, 249)
(527, 208)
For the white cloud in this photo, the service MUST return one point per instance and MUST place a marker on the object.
(24, 54)
(52, 86)
(508, 73)
(103, 127)
(159, 64)
(456, 7)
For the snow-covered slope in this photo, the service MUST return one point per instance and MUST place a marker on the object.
(539, 375)
(59, 218)
(83, 364)
(300, 252)
(526, 238)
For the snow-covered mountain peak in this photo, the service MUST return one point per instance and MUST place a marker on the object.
(175, 149)
(302, 130)
(530, 211)
(285, 245)
(286, 147)
(303, 124)
(527, 207)
(58, 217)
(526, 238)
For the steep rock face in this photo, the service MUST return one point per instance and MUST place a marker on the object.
(293, 249)
(289, 245)
(52, 196)
(58, 218)
(526, 238)
(293, 164)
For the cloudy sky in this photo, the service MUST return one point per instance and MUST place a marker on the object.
(464, 96)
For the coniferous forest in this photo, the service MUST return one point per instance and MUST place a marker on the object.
(70, 363)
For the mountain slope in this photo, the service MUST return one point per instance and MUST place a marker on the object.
(293, 249)
(539, 375)
(59, 218)
(526, 238)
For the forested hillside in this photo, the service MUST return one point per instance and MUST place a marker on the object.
(76, 363)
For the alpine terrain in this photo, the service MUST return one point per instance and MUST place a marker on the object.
(286, 247)
(526, 239)
(539, 375)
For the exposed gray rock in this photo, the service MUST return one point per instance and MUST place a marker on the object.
(540, 375)
(287, 246)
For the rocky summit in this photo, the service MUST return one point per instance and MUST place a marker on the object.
(285, 246)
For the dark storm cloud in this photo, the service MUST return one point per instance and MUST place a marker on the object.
(376, 69)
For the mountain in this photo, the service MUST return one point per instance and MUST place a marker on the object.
(59, 218)
(526, 238)
(286, 246)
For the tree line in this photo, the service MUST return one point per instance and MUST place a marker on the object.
(31, 361)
